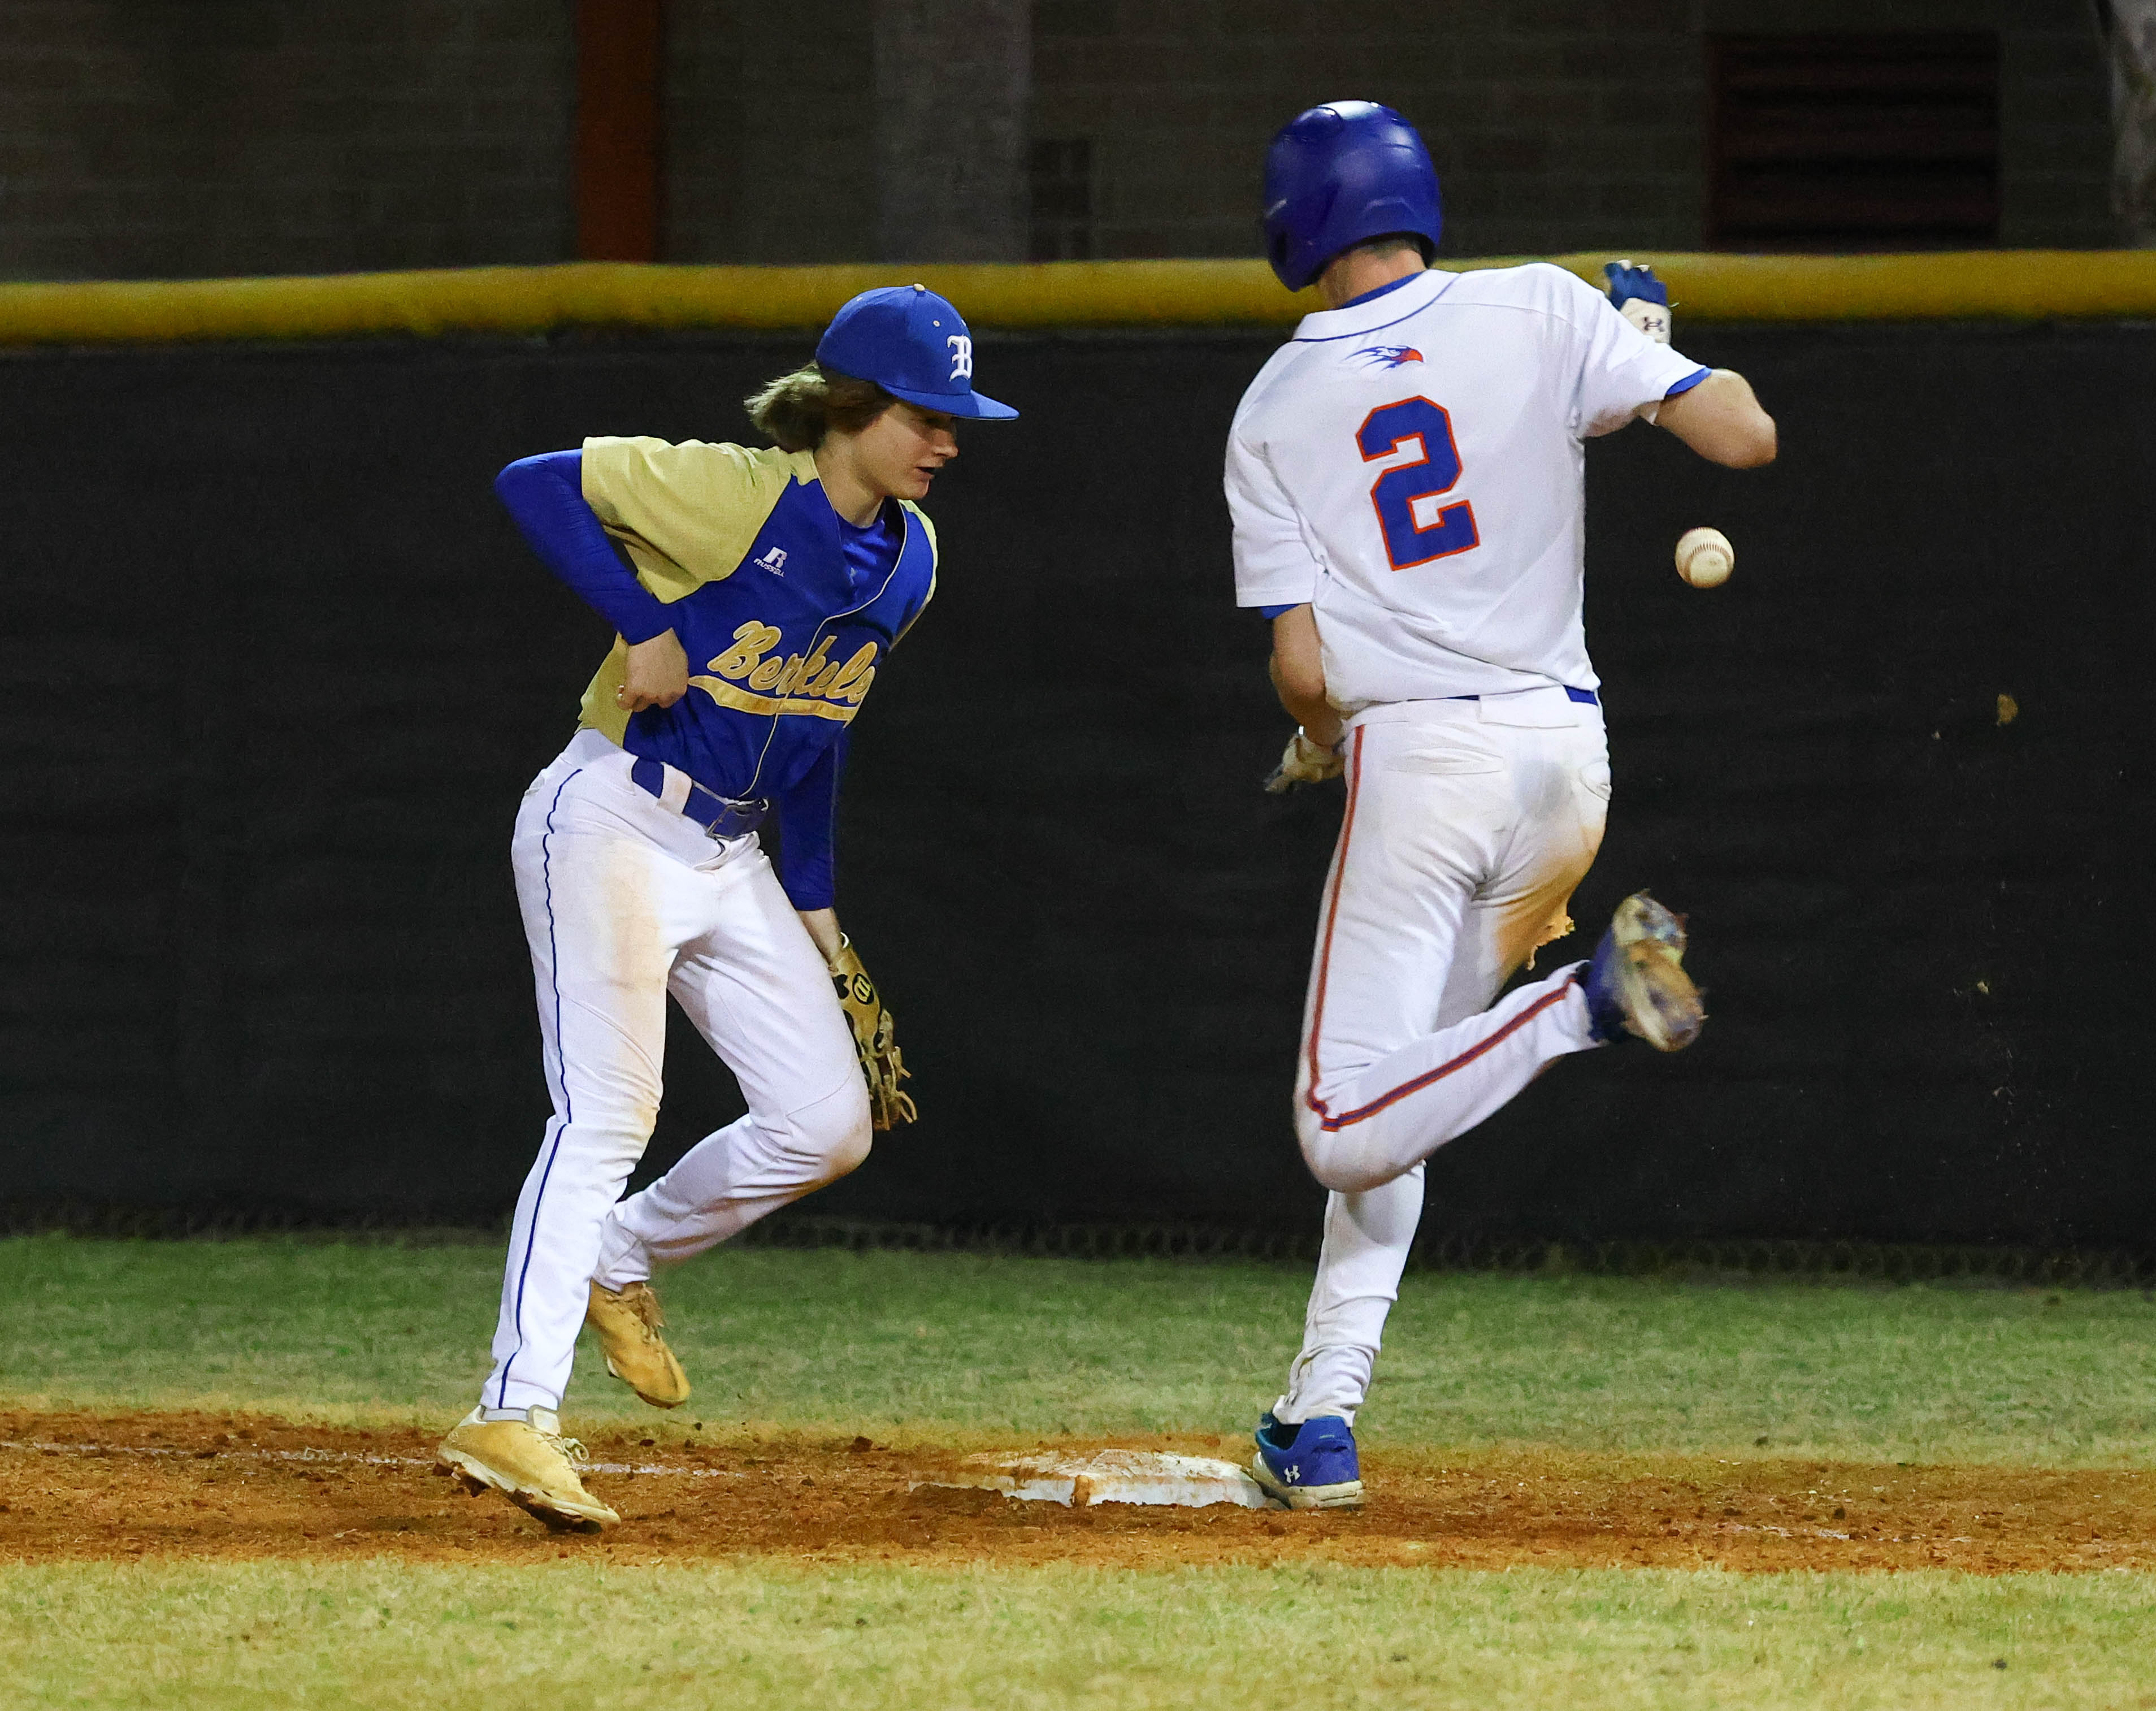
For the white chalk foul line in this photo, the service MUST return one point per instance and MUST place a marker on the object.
(92, 1451)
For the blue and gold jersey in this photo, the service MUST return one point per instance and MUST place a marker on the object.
(743, 551)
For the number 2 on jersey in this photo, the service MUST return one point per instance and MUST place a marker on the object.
(1395, 494)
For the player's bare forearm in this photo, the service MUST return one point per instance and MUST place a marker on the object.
(1297, 669)
(1313, 713)
(823, 924)
(1721, 421)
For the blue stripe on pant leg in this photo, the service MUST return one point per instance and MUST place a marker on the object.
(568, 1109)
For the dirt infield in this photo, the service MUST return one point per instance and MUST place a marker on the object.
(127, 1486)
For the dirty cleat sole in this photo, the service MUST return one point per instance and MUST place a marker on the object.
(557, 1514)
(534, 1468)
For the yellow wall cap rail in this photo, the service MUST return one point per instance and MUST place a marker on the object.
(1976, 285)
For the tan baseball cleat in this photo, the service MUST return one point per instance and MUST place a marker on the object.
(530, 1463)
(629, 1322)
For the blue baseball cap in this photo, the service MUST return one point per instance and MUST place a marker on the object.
(914, 346)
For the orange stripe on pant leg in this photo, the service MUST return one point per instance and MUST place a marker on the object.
(1332, 916)
(1430, 1076)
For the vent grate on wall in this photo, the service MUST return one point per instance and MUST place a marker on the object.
(1853, 142)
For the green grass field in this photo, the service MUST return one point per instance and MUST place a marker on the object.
(405, 1639)
(937, 1344)
(955, 1347)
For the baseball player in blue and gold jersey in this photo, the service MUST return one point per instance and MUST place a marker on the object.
(756, 593)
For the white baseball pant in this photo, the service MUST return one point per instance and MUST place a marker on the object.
(624, 901)
(1467, 825)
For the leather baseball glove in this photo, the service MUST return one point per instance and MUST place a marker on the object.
(875, 1039)
(1304, 763)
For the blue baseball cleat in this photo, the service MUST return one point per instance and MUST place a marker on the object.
(1311, 1465)
(1636, 983)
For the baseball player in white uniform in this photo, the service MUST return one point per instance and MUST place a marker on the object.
(1406, 477)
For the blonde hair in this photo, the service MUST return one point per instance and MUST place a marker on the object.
(797, 410)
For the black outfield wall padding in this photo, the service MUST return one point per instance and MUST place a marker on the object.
(279, 670)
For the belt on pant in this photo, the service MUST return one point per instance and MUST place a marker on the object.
(722, 816)
(1587, 696)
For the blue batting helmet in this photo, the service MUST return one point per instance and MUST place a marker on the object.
(1340, 174)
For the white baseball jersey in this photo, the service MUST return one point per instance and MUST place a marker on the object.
(1413, 465)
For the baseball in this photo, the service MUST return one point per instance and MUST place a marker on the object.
(1705, 557)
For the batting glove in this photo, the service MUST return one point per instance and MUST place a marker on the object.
(1640, 298)
(1305, 763)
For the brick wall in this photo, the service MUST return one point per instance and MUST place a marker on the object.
(140, 138)
(789, 134)
(2055, 120)
(770, 132)
(1555, 124)
(148, 137)
(952, 98)
(1551, 127)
